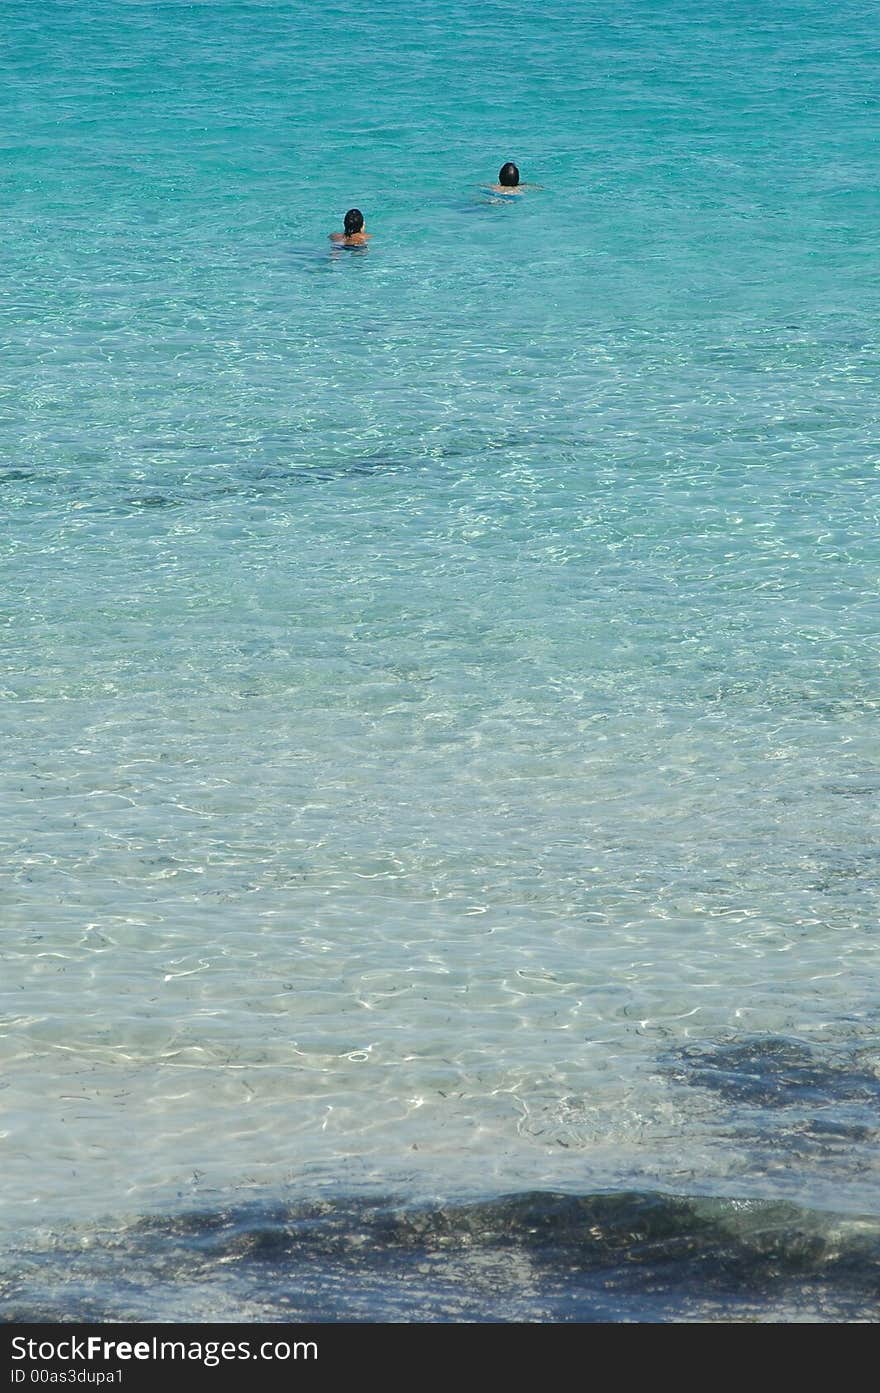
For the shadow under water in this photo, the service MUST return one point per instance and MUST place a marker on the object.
(776, 1071)
(532, 1257)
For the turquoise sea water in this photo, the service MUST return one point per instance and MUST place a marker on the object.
(440, 682)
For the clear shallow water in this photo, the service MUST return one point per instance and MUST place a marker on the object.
(440, 683)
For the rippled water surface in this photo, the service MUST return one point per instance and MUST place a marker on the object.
(440, 680)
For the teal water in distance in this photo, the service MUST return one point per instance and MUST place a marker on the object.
(440, 680)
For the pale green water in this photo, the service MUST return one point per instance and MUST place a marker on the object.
(440, 722)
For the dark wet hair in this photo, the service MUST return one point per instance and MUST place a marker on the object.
(508, 175)
(354, 221)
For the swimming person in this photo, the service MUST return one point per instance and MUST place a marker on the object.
(508, 181)
(354, 234)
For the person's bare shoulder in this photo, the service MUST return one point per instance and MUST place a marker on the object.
(356, 239)
(513, 190)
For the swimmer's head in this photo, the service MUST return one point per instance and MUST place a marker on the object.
(508, 175)
(354, 221)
